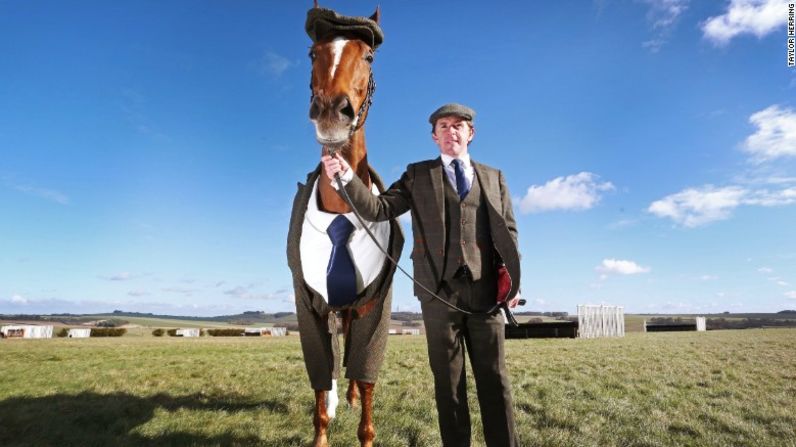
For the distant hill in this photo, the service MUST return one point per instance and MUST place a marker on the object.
(245, 318)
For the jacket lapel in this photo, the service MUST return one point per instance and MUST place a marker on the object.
(489, 185)
(439, 192)
(297, 220)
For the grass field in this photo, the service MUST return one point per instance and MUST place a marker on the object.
(719, 388)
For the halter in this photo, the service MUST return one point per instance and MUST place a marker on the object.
(363, 108)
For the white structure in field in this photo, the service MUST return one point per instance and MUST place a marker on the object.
(27, 331)
(601, 321)
(272, 331)
(701, 325)
(189, 332)
(79, 333)
(410, 331)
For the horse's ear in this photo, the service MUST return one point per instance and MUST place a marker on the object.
(316, 3)
(376, 15)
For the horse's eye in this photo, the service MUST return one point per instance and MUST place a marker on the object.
(369, 58)
(312, 55)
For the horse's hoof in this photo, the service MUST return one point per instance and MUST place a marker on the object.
(320, 441)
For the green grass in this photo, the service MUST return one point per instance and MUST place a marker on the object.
(719, 388)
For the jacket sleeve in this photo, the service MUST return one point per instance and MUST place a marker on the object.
(393, 202)
(508, 210)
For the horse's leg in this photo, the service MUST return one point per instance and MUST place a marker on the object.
(320, 419)
(352, 395)
(366, 432)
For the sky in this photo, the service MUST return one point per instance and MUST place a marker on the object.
(150, 151)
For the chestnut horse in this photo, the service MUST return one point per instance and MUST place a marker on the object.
(342, 85)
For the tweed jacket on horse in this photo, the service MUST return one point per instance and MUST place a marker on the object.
(421, 189)
(366, 343)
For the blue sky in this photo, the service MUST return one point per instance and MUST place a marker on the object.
(149, 151)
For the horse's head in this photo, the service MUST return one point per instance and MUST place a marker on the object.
(342, 84)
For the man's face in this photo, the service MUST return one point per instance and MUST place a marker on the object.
(452, 134)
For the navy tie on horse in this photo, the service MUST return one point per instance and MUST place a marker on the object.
(461, 181)
(341, 279)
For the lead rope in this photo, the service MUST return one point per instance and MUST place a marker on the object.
(504, 305)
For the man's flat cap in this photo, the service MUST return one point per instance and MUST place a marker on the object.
(452, 109)
(322, 23)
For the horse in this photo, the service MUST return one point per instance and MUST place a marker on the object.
(341, 91)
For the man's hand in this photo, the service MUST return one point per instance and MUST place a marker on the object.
(334, 165)
(515, 301)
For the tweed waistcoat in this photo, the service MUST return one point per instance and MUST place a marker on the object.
(469, 242)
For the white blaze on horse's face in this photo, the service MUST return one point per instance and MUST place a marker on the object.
(338, 44)
(340, 75)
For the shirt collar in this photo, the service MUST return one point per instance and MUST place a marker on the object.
(447, 160)
(320, 220)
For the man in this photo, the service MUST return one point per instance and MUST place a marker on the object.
(464, 229)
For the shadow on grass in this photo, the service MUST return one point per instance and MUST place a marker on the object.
(91, 419)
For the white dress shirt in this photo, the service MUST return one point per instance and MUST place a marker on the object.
(316, 247)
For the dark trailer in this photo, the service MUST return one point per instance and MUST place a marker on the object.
(553, 329)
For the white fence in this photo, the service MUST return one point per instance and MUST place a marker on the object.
(272, 331)
(701, 325)
(189, 332)
(79, 333)
(601, 321)
(27, 331)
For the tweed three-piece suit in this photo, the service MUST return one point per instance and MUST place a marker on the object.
(458, 243)
(318, 328)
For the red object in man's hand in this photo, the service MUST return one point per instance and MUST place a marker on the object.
(503, 283)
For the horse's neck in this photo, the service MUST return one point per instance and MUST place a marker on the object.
(356, 155)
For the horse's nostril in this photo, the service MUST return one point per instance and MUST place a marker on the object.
(315, 110)
(346, 109)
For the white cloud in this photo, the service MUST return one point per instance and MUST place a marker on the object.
(121, 276)
(44, 193)
(621, 267)
(179, 290)
(622, 223)
(574, 192)
(18, 299)
(708, 277)
(137, 293)
(765, 270)
(248, 293)
(758, 17)
(695, 207)
(782, 283)
(663, 14)
(274, 64)
(791, 294)
(764, 197)
(775, 136)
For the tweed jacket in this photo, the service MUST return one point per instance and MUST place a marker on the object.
(318, 328)
(421, 190)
